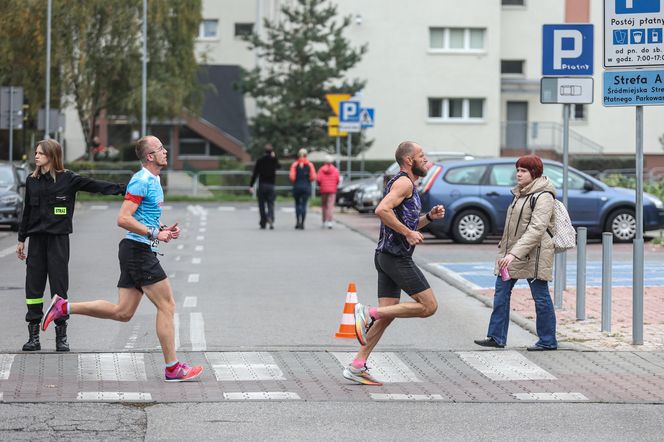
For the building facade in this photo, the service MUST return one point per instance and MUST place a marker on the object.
(455, 76)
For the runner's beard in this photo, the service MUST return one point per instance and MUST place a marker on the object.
(420, 171)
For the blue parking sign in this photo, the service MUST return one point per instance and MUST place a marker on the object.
(567, 50)
(349, 111)
(637, 6)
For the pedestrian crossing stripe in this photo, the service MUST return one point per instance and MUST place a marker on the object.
(6, 362)
(504, 365)
(261, 395)
(114, 396)
(244, 366)
(567, 397)
(386, 367)
(111, 367)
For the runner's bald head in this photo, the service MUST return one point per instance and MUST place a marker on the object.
(405, 149)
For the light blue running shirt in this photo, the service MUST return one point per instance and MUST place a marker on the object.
(145, 190)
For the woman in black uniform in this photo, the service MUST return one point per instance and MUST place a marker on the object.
(48, 210)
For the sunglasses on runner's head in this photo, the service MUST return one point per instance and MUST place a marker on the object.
(159, 149)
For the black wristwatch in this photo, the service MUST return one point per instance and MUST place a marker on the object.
(429, 217)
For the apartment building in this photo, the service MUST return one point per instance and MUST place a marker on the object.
(454, 75)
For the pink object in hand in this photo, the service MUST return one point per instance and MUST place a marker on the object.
(504, 274)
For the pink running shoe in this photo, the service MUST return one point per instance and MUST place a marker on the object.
(182, 373)
(57, 310)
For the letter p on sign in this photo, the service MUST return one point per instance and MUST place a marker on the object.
(568, 51)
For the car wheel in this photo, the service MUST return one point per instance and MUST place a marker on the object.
(622, 224)
(470, 227)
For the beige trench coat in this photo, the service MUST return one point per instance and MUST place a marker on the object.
(525, 235)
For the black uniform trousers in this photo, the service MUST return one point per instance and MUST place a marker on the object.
(48, 256)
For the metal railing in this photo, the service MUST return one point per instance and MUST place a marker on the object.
(543, 135)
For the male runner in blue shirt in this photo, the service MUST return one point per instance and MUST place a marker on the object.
(140, 271)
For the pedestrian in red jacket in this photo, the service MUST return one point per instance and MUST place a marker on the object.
(328, 180)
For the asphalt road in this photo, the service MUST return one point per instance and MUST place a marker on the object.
(241, 289)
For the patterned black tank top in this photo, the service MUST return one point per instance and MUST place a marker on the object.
(408, 212)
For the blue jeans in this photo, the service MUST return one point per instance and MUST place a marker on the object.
(301, 197)
(546, 316)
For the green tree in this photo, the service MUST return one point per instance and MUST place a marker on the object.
(97, 55)
(302, 57)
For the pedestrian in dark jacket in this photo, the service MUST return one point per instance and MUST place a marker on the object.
(302, 174)
(265, 171)
(50, 196)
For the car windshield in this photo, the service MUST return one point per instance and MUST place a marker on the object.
(6, 176)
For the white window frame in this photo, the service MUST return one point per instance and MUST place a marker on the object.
(466, 41)
(465, 110)
(201, 28)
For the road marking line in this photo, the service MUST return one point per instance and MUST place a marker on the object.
(196, 260)
(180, 246)
(197, 331)
(111, 367)
(190, 301)
(177, 258)
(1, 397)
(386, 367)
(406, 397)
(98, 207)
(203, 222)
(131, 341)
(226, 208)
(176, 327)
(166, 207)
(253, 209)
(504, 365)
(193, 277)
(287, 209)
(202, 230)
(571, 396)
(8, 251)
(114, 396)
(199, 248)
(171, 276)
(244, 366)
(6, 361)
(261, 396)
(200, 238)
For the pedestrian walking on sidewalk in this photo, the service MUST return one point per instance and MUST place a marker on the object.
(140, 271)
(526, 251)
(265, 171)
(302, 174)
(399, 213)
(50, 197)
(328, 180)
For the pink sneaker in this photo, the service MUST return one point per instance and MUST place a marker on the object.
(182, 373)
(58, 309)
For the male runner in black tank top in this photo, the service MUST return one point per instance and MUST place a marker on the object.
(399, 213)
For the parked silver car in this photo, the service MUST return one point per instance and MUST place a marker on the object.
(11, 195)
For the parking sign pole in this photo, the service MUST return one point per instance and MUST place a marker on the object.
(11, 123)
(566, 116)
(350, 149)
(338, 138)
(637, 278)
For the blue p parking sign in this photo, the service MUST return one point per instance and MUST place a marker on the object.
(567, 50)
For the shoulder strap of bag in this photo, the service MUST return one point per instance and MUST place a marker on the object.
(533, 201)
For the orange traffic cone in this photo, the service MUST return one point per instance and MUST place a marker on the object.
(347, 327)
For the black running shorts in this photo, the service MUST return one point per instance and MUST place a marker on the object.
(139, 265)
(397, 273)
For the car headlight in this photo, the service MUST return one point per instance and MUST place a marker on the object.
(9, 199)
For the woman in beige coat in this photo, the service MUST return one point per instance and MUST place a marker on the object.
(526, 252)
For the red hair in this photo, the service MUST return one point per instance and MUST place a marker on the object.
(532, 163)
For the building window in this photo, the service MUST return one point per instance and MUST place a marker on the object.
(243, 29)
(456, 109)
(514, 2)
(209, 29)
(456, 39)
(579, 112)
(512, 67)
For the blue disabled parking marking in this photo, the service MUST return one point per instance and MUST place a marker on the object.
(481, 274)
